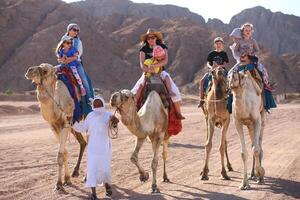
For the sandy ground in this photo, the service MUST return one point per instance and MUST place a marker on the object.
(28, 168)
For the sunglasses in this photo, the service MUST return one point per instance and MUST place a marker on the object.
(151, 38)
(75, 30)
(67, 42)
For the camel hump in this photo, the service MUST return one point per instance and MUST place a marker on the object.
(153, 98)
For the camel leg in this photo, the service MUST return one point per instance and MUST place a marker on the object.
(67, 171)
(222, 149)
(239, 127)
(144, 176)
(156, 142)
(164, 155)
(229, 166)
(208, 146)
(251, 134)
(257, 149)
(82, 143)
(60, 157)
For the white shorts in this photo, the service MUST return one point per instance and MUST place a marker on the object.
(163, 75)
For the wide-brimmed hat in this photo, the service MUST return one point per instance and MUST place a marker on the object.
(150, 31)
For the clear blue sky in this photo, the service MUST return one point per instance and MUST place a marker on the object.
(225, 9)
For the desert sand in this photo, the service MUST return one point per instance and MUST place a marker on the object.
(28, 168)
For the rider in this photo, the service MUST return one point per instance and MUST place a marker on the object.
(73, 31)
(244, 43)
(67, 56)
(149, 40)
(217, 57)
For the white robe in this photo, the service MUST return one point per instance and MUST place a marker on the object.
(99, 150)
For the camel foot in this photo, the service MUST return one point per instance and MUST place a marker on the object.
(225, 177)
(229, 167)
(252, 177)
(166, 180)
(75, 173)
(144, 177)
(59, 187)
(244, 186)
(261, 180)
(83, 180)
(204, 176)
(155, 189)
(67, 180)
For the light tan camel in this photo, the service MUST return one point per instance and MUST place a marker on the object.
(150, 121)
(216, 114)
(57, 108)
(248, 110)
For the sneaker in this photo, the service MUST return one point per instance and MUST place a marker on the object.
(180, 116)
(201, 103)
(93, 197)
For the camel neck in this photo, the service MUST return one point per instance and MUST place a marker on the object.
(131, 119)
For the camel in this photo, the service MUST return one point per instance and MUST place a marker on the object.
(216, 114)
(57, 107)
(150, 121)
(248, 110)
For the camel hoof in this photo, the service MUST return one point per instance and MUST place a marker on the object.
(75, 173)
(204, 177)
(230, 169)
(83, 180)
(245, 186)
(59, 187)
(166, 180)
(155, 189)
(261, 180)
(225, 177)
(144, 177)
(252, 177)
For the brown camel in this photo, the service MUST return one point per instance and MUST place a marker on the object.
(248, 110)
(150, 121)
(216, 114)
(57, 107)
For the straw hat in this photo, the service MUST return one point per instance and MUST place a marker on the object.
(150, 31)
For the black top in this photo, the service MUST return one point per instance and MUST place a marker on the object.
(148, 51)
(218, 57)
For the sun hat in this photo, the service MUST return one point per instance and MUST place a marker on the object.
(153, 32)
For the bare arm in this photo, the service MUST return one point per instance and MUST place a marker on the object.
(142, 60)
(255, 47)
(237, 49)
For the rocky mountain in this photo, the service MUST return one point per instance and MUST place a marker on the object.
(275, 30)
(100, 8)
(110, 30)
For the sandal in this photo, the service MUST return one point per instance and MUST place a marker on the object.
(108, 190)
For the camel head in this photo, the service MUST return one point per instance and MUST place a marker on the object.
(238, 79)
(123, 100)
(218, 74)
(42, 74)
